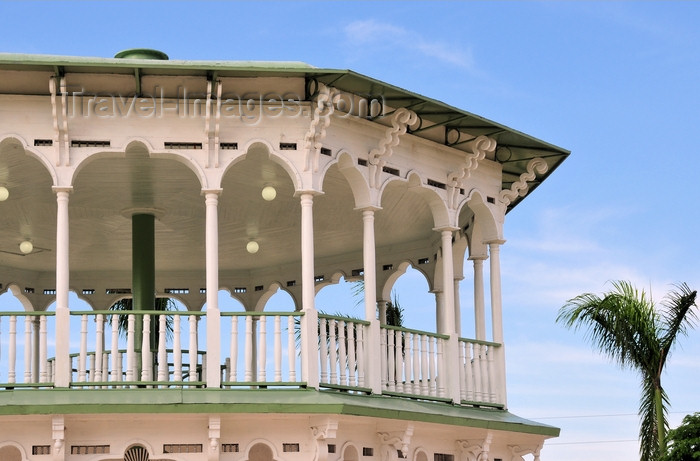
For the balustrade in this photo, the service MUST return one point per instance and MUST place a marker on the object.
(111, 349)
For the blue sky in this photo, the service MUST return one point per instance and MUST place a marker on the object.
(616, 83)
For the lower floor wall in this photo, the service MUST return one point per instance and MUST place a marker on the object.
(253, 437)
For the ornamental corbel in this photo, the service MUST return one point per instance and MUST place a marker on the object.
(317, 128)
(60, 123)
(322, 433)
(211, 135)
(214, 438)
(521, 186)
(394, 442)
(475, 450)
(400, 121)
(480, 146)
(518, 453)
(58, 434)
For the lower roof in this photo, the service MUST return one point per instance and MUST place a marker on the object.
(285, 401)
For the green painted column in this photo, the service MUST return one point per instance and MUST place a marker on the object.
(143, 261)
(143, 268)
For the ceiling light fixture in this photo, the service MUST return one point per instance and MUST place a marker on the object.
(26, 247)
(269, 193)
(252, 247)
(4, 193)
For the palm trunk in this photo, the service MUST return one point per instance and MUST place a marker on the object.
(660, 426)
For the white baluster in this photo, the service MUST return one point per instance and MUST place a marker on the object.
(177, 350)
(384, 353)
(99, 344)
(408, 362)
(233, 375)
(278, 348)
(390, 359)
(463, 360)
(332, 351)
(398, 353)
(416, 364)
(291, 345)
(82, 358)
(425, 377)
(440, 377)
(12, 351)
(43, 376)
(352, 346)
(476, 368)
(248, 377)
(130, 348)
(193, 348)
(27, 349)
(116, 362)
(162, 350)
(491, 371)
(342, 354)
(359, 338)
(432, 366)
(323, 326)
(146, 358)
(262, 346)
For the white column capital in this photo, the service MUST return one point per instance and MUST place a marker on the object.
(206, 192)
(495, 242)
(58, 189)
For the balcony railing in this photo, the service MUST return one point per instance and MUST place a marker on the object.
(259, 350)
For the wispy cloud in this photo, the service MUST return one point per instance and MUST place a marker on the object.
(383, 35)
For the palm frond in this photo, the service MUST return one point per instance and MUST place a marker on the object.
(677, 316)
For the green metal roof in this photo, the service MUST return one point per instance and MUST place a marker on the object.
(285, 401)
(515, 149)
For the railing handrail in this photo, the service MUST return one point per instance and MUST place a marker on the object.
(138, 312)
(417, 332)
(479, 341)
(342, 318)
(26, 313)
(261, 314)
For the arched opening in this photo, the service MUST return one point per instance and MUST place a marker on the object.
(342, 297)
(136, 453)
(410, 296)
(10, 453)
(350, 453)
(260, 452)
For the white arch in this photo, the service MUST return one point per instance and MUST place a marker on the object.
(133, 145)
(347, 166)
(400, 270)
(333, 280)
(436, 203)
(265, 442)
(273, 155)
(11, 138)
(19, 295)
(352, 446)
(15, 445)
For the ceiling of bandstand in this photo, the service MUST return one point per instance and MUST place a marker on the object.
(106, 188)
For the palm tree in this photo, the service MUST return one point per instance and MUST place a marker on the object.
(625, 325)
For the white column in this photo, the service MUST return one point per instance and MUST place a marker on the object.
(213, 377)
(310, 319)
(458, 308)
(497, 317)
(448, 295)
(373, 375)
(479, 305)
(451, 354)
(63, 372)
